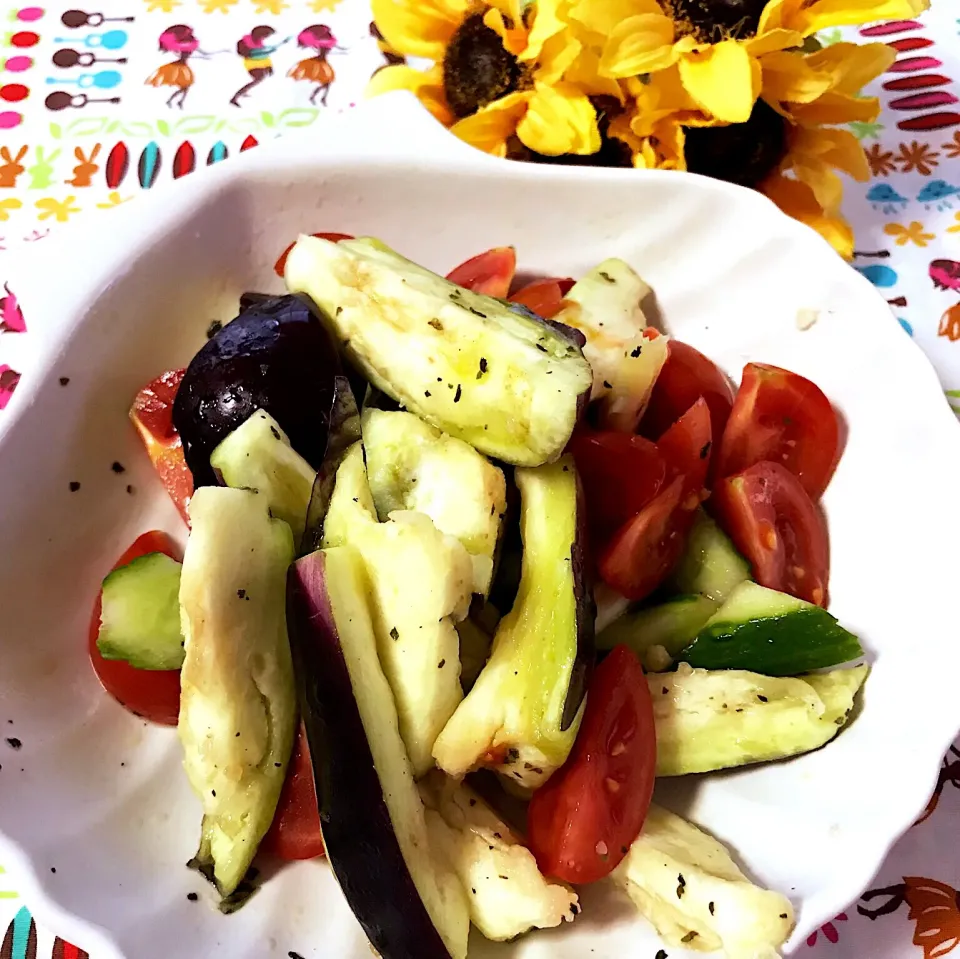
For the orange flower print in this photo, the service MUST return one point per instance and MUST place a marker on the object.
(880, 160)
(909, 234)
(918, 156)
(952, 147)
(950, 328)
(828, 929)
(933, 906)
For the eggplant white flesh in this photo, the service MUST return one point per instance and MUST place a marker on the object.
(409, 903)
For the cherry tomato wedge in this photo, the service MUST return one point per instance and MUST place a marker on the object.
(490, 273)
(687, 445)
(581, 822)
(777, 528)
(784, 418)
(281, 263)
(620, 473)
(685, 377)
(152, 694)
(295, 831)
(152, 415)
(544, 297)
(645, 549)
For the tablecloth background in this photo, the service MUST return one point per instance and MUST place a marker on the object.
(114, 135)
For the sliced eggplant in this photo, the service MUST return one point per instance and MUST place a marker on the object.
(510, 384)
(411, 465)
(238, 700)
(275, 356)
(258, 455)
(605, 307)
(508, 894)
(410, 905)
(523, 712)
(343, 432)
(420, 586)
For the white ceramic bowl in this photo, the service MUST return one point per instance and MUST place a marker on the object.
(100, 796)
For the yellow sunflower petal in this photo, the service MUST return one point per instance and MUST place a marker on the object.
(601, 16)
(514, 38)
(797, 200)
(789, 77)
(722, 80)
(853, 65)
(833, 109)
(558, 53)
(778, 39)
(419, 28)
(823, 14)
(426, 85)
(491, 126)
(837, 148)
(584, 72)
(546, 24)
(823, 182)
(559, 119)
(640, 44)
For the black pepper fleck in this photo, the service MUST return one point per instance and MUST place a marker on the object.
(473, 802)
(482, 316)
(436, 324)
(213, 329)
(664, 690)
(129, 489)
(607, 385)
(241, 594)
(276, 432)
(192, 896)
(711, 907)
(705, 449)
(441, 664)
(294, 955)
(483, 364)
(64, 380)
(783, 915)
(426, 392)
(681, 886)
(607, 277)
(763, 699)
(394, 633)
(458, 394)
(661, 954)
(636, 351)
(690, 936)
(118, 467)
(74, 486)
(53, 869)
(14, 743)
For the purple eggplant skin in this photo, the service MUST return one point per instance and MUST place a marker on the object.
(275, 356)
(343, 431)
(358, 835)
(582, 566)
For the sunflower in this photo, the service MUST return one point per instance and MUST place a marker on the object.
(498, 72)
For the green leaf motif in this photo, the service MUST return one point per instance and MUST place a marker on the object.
(866, 131)
(193, 125)
(56, 131)
(87, 127)
(246, 125)
(137, 128)
(267, 119)
(829, 37)
(297, 117)
(163, 128)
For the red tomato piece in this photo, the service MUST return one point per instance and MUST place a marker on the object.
(685, 377)
(784, 418)
(490, 273)
(620, 474)
(687, 446)
(645, 549)
(581, 822)
(544, 297)
(777, 528)
(281, 263)
(295, 831)
(151, 694)
(152, 415)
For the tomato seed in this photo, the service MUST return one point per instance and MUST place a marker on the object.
(601, 848)
(769, 535)
(817, 596)
(619, 749)
(798, 571)
(612, 785)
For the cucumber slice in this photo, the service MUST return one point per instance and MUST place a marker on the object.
(140, 615)
(771, 633)
(258, 455)
(710, 564)
(672, 625)
(715, 719)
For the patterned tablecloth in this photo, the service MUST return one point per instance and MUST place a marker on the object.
(92, 111)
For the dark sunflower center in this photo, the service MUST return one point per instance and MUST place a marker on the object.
(715, 20)
(743, 153)
(476, 68)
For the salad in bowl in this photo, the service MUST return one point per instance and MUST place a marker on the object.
(472, 562)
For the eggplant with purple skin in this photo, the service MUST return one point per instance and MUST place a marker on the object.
(408, 901)
(508, 383)
(275, 356)
(523, 712)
